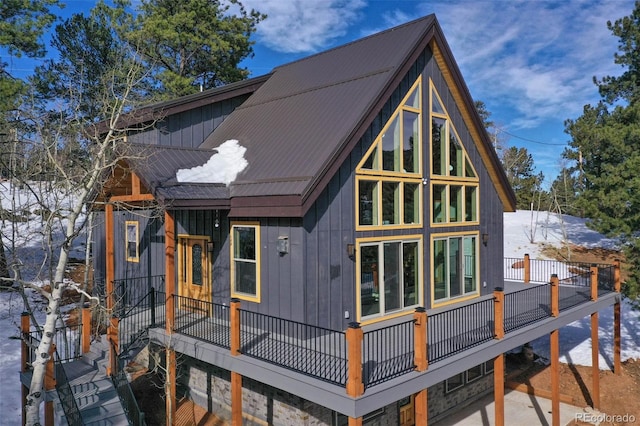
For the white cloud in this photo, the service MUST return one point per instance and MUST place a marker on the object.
(222, 167)
(295, 26)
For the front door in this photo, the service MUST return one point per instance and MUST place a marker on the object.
(407, 411)
(194, 270)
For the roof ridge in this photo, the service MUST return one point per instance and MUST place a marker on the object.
(360, 40)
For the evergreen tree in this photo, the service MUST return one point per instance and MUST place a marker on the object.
(518, 164)
(605, 146)
(194, 44)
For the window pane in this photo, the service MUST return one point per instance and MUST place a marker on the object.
(440, 269)
(414, 98)
(368, 194)
(468, 169)
(455, 155)
(439, 203)
(245, 277)
(435, 106)
(132, 251)
(411, 203)
(454, 382)
(196, 264)
(391, 146)
(470, 204)
(474, 373)
(455, 268)
(455, 203)
(372, 163)
(411, 142)
(369, 284)
(410, 273)
(244, 242)
(392, 268)
(390, 203)
(438, 145)
(470, 278)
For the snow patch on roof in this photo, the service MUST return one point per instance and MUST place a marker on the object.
(223, 166)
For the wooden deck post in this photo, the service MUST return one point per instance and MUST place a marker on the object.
(170, 390)
(25, 326)
(595, 358)
(617, 366)
(421, 407)
(498, 312)
(86, 329)
(594, 282)
(498, 389)
(49, 384)
(555, 296)
(109, 277)
(420, 340)
(355, 421)
(236, 399)
(527, 268)
(354, 336)
(555, 378)
(170, 269)
(234, 318)
(112, 339)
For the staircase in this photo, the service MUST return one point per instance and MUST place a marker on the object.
(93, 389)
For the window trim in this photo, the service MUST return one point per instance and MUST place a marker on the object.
(369, 241)
(381, 176)
(465, 296)
(232, 260)
(135, 258)
(465, 183)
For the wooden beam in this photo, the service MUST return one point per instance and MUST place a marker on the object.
(421, 407)
(498, 389)
(617, 366)
(86, 330)
(527, 268)
(595, 358)
(420, 339)
(354, 336)
(234, 318)
(594, 282)
(169, 268)
(355, 421)
(236, 399)
(555, 377)
(498, 313)
(135, 184)
(110, 254)
(555, 296)
(131, 198)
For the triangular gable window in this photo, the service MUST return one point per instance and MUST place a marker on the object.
(389, 176)
(454, 187)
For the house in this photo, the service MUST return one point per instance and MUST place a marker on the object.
(342, 251)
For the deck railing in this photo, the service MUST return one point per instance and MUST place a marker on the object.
(387, 353)
(524, 307)
(383, 352)
(315, 351)
(129, 292)
(455, 330)
(129, 403)
(147, 313)
(202, 320)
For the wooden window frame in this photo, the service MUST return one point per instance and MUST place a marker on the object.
(447, 179)
(236, 294)
(381, 176)
(419, 264)
(136, 258)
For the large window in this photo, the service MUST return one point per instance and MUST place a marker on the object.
(454, 182)
(245, 261)
(131, 241)
(455, 267)
(389, 178)
(390, 274)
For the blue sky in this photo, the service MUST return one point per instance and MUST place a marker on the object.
(532, 62)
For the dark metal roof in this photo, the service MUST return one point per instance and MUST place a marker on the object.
(298, 121)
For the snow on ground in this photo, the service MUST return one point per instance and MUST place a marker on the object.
(575, 339)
